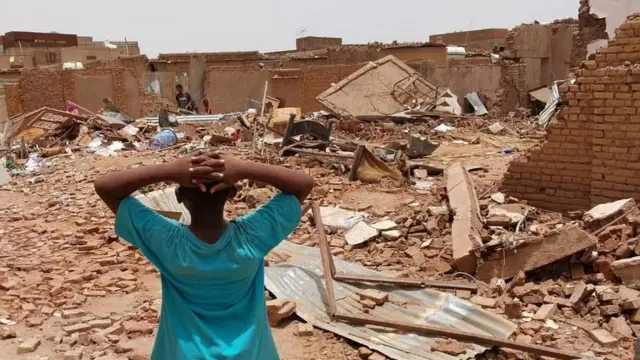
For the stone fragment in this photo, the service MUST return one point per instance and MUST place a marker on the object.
(360, 233)
(73, 354)
(28, 346)
(7, 333)
(603, 337)
(620, 328)
(378, 297)
(279, 309)
(304, 330)
(80, 327)
(545, 312)
(72, 313)
(385, 225)
(513, 309)
(449, 346)
(484, 301)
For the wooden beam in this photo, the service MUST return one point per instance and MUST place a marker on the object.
(328, 266)
(320, 153)
(431, 330)
(407, 282)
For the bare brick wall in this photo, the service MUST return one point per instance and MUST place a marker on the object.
(53, 87)
(591, 153)
(12, 99)
(229, 88)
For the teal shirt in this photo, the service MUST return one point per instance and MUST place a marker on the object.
(213, 304)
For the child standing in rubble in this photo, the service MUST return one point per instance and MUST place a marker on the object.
(212, 271)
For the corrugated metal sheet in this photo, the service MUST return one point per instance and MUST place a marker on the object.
(192, 118)
(552, 104)
(300, 279)
(477, 104)
(165, 200)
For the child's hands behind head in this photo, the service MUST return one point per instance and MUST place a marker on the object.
(212, 166)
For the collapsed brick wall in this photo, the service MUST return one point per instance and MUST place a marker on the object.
(591, 153)
(590, 29)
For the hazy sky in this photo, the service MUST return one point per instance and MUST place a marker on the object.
(163, 26)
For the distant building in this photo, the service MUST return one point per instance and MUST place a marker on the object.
(308, 43)
(485, 39)
(21, 49)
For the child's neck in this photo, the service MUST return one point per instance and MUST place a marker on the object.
(209, 225)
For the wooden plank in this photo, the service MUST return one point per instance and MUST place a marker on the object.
(431, 330)
(407, 282)
(467, 224)
(328, 266)
(353, 174)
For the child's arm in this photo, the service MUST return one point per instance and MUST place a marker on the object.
(114, 187)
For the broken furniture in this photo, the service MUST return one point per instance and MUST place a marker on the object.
(317, 132)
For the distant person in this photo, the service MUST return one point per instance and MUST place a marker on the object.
(207, 107)
(183, 98)
(193, 106)
(72, 108)
(109, 105)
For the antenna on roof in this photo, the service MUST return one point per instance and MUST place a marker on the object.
(301, 33)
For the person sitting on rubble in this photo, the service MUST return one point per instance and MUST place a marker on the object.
(183, 98)
(72, 108)
(212, 271)
(207, 107)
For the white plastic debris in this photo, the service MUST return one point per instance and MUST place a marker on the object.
(34, 162)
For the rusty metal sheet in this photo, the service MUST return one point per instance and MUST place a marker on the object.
(300, 278)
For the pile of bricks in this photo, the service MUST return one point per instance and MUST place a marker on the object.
(591, 153)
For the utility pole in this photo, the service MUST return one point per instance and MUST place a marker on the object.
(304, 41)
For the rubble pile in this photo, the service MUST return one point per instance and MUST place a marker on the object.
(410, 193)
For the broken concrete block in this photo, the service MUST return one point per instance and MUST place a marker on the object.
(628, 270)
(378, 297)
(498, 220)
(368, 304)
(532, 255)
(545, 312)
(360, 233)
(418, 145)
(377, 356)
(385, 225)
(620, 327)
(304, 330)
(603, 337)
(603, 213)
(28, 346)
(608, 310)
(484, 301)
(467, 224)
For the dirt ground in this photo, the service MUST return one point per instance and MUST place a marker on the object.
(61, 264)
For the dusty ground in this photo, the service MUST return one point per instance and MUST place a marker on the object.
(59, 253)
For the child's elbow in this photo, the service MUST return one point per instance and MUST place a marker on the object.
(101, 186)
